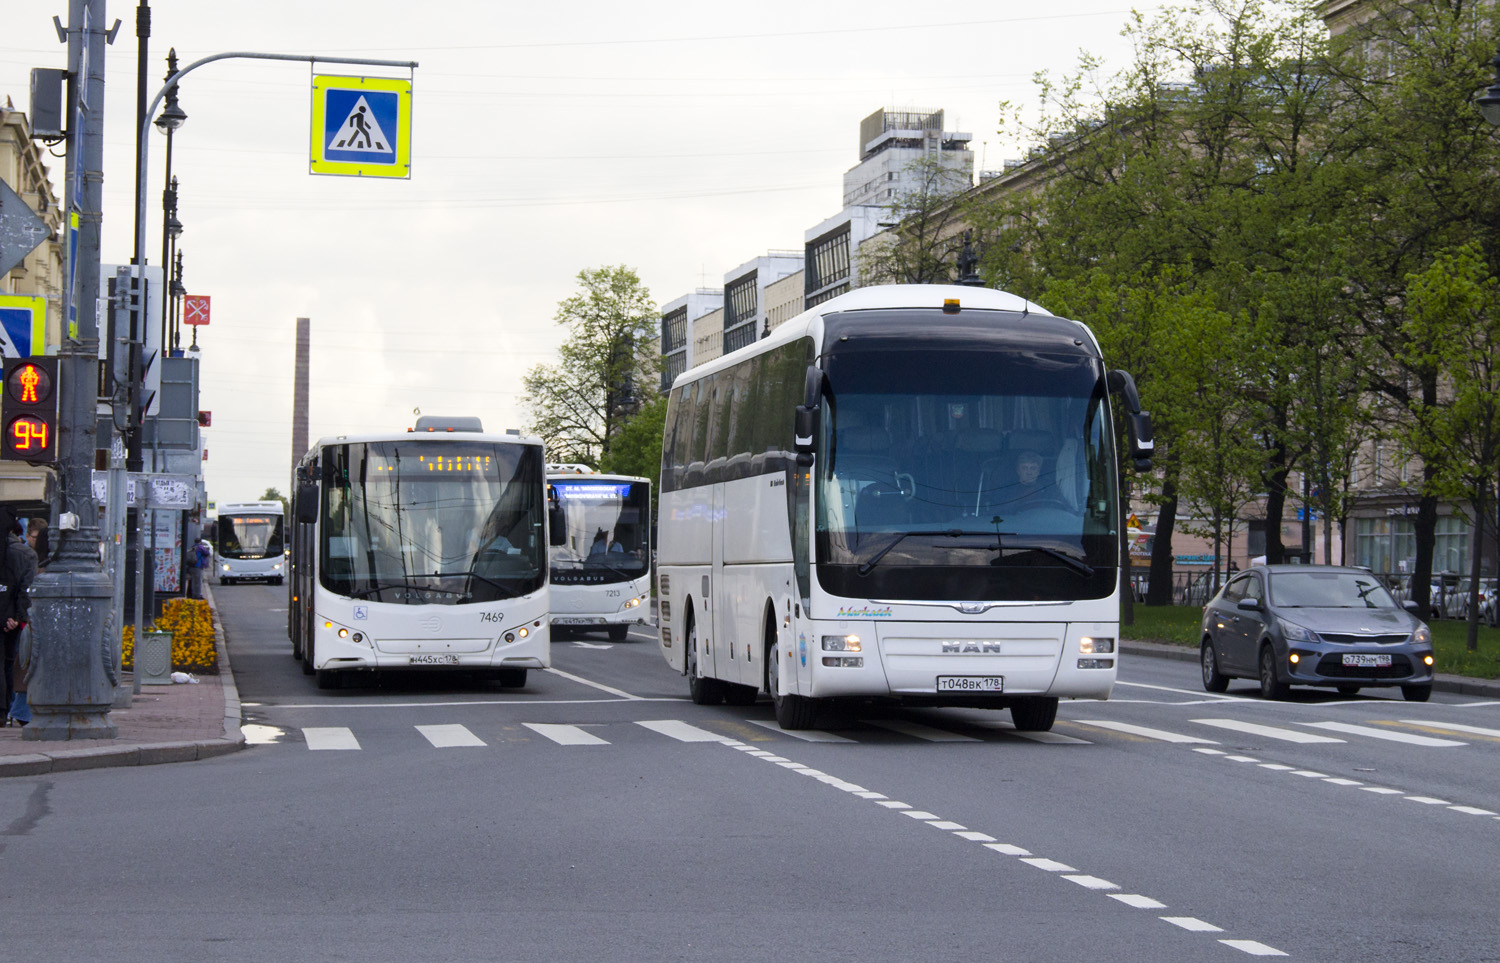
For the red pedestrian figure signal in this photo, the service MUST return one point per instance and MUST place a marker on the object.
(30, 405)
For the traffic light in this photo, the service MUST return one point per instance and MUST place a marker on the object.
(28, 410)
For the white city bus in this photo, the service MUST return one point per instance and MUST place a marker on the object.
(249, 543)
(601, 552)
(906, 493)
(425, 549)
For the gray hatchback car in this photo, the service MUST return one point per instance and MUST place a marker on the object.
(1317, 625)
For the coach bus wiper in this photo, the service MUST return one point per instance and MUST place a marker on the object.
(866, 567)
(1072, 561)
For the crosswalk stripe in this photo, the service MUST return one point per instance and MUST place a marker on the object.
(565, 735)
(1386, 734)
(681, 731)
(330, 737)
(918, 731)
(1269, 732)
(449, 737)
(1453, 727)
(806, 735)
(1134, 730)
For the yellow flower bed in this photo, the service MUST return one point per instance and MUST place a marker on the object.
(192, 626)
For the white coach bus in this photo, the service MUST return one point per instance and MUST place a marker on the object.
(601, 551)
(248, 543)
(907, 493)
(425, 549)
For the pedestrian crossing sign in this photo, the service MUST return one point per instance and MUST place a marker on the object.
(361, 126)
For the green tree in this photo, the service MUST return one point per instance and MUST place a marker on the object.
(637, 448)
(923, 244)
(1454, 327)
(1419, 167)
(272, 495)
(605, 368)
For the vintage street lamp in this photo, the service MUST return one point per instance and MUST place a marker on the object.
(1489, 104)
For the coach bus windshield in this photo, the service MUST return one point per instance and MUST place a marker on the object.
(427, 522)
(245, 535)
(978, 469)
(607, 526)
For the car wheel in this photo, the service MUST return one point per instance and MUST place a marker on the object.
(1034, 714)
(703, 692)
(1213, 679)
(1271, 687)
(617, 633)
(1349, 690)
(1416, 693)
(792, 711)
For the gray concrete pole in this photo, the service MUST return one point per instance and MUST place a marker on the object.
(72, 675)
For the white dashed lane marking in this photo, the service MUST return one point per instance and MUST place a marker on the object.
(1386, 734)
(566, 735)
(1160, 735)
(1269, 732)
(330, 737)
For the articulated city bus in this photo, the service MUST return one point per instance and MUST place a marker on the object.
(425, 549)
(249, 543)
(601, 556)
(906, 493)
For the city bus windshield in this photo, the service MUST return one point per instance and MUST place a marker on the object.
(607, 531)
(978, 469)
(243, 535)
(423, 521)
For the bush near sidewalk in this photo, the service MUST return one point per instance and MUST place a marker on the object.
(1179, 625)
(192, 626)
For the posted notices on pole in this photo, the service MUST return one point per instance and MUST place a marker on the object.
(167, 554)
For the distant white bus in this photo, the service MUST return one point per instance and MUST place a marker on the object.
(249, 543)
(601, 552)
(906, 493)
(424, 549)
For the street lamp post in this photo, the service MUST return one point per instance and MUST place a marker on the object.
(172, 117)
(1489, 104)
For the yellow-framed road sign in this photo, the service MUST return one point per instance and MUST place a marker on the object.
(23, 325)
(361, 126)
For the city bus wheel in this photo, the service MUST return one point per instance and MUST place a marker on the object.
(308, 655)
(1034, 713)
(792, 711)
(617, 633)
(328, 679)
(511, 678)
(703, 691)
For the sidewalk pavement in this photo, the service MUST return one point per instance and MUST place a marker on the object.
(180, 723)
(164, 723)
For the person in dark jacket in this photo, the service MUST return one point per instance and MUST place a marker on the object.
(17, 569)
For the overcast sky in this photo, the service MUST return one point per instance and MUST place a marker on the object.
(678, 138)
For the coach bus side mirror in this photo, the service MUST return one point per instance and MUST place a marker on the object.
(307, 502)
(806, 419)
(1137, 422)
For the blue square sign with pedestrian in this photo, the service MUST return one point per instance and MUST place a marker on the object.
(361, 126)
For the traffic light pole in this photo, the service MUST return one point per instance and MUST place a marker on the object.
(72, 675)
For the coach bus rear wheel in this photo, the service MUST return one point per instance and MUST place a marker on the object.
(703, 691)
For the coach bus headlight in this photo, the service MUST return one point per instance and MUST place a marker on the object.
(841, 643)
(1096, 663)
(1095, 646)
(844, 662)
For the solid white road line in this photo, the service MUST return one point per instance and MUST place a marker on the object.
(806, 735)
(1134, 730)
(330, 737)
(565, 735)
(918, 731)
(1269, 732)
(1389, 735)
(597, 685)
(683, 732)
(450, 736)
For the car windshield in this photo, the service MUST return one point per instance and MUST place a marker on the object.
(1329, 590)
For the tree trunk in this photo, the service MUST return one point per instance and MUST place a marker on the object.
(1159, 591)
(1275, 505)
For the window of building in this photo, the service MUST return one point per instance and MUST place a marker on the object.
(827, 260)
(674, 330)
(740, 301)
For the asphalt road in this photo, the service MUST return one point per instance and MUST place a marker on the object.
(596, 814)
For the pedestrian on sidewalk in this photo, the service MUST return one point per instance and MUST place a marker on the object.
(18, 564)
(202, 558)
(36, 537)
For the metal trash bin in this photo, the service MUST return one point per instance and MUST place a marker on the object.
(153, 658)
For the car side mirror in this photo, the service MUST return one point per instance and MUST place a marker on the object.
(1411, 606)
(1250, 605)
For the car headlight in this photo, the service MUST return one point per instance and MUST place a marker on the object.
(1422, 636)
(1298, 633)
